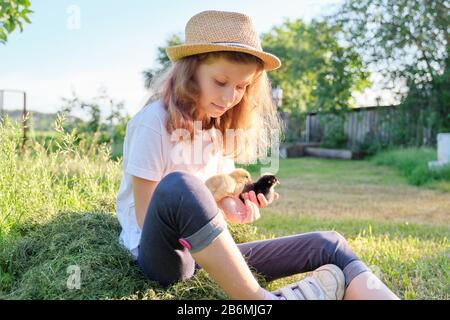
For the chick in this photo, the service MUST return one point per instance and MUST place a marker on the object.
(264, 185)
(228, 185)
(242, 178)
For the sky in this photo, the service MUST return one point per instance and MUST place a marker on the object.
(83, 46)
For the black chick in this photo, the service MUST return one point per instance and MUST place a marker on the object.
(264, 184)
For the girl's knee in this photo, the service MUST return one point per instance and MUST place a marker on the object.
(333, 237)
(331, 240)
(184, 192)
(180, 183)
(334, 248)
(175, 179)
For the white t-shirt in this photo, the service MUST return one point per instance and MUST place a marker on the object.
(150, 153)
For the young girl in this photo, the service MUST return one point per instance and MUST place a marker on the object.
(170, 221)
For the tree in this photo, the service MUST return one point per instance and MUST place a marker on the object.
(94, 130)
(92, 108)
(162, 60)
(318, 74)
(116, 113)
(407, 41)
(12, 14)
(402, 39)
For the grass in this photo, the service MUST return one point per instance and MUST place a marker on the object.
(57, 211)
(412, 260)
(412, 163)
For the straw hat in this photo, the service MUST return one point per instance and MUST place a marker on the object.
(210, 31)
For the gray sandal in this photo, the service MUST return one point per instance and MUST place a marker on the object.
(325, 283)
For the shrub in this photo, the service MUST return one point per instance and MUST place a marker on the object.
(333, 133)
(413, 164)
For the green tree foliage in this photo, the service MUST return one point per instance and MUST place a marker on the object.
(407, 42)
(162, 60)
(94, 129)
(429, 103)
(401, 38)
(318, 74)
(13, 13)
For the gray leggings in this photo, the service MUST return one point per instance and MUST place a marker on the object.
(183, 218)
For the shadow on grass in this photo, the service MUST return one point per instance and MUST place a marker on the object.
(43, 264)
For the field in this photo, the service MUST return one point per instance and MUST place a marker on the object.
(57, 220)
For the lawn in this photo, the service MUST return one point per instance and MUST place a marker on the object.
(57, 216)
(400, 230)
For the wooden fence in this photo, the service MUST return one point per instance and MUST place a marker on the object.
(360, 125)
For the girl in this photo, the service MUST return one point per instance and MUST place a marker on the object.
(170, 222)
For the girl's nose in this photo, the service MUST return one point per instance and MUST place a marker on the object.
(228, 97)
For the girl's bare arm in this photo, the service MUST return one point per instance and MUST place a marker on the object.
(142, 191)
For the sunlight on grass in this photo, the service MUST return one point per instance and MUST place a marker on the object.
(57, 209)
(411, 259)
(412, 163)
(412, 267)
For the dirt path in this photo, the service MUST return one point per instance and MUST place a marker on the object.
(361, 190)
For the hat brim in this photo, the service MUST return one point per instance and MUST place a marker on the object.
(175, 53)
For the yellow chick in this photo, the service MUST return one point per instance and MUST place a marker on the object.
(228, 185)
(242, 178)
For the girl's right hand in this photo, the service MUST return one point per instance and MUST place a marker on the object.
(239, 212)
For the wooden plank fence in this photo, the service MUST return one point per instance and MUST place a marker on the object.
(361, 125)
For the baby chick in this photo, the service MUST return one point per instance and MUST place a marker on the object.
(228, 185)
(242, 178)
(264, 185)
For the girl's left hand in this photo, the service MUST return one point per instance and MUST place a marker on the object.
(237, 211)
(260, 200)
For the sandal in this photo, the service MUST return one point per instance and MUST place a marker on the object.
(325, 283)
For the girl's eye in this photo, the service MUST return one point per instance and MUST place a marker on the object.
(220, 84)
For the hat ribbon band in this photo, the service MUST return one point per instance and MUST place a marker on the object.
(235, 44)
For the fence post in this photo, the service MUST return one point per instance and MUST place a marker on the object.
(308, 127)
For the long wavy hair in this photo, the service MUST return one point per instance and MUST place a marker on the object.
(255, 116)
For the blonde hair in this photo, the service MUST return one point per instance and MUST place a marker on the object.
(255, 113)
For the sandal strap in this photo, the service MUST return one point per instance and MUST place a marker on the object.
(311, 289)
(288, 293)
(306, 289)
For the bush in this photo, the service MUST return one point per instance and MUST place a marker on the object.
(413, 164)
(333, 135)
(371, 145)
(293, 125)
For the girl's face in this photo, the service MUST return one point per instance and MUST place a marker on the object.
(222, 85)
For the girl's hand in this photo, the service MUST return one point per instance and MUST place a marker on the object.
(261, 200)
(238, 212)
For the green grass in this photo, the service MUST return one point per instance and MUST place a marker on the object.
(57, 211)
(275, 223)
(411, 259)
(327, 169)
(412, 163)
